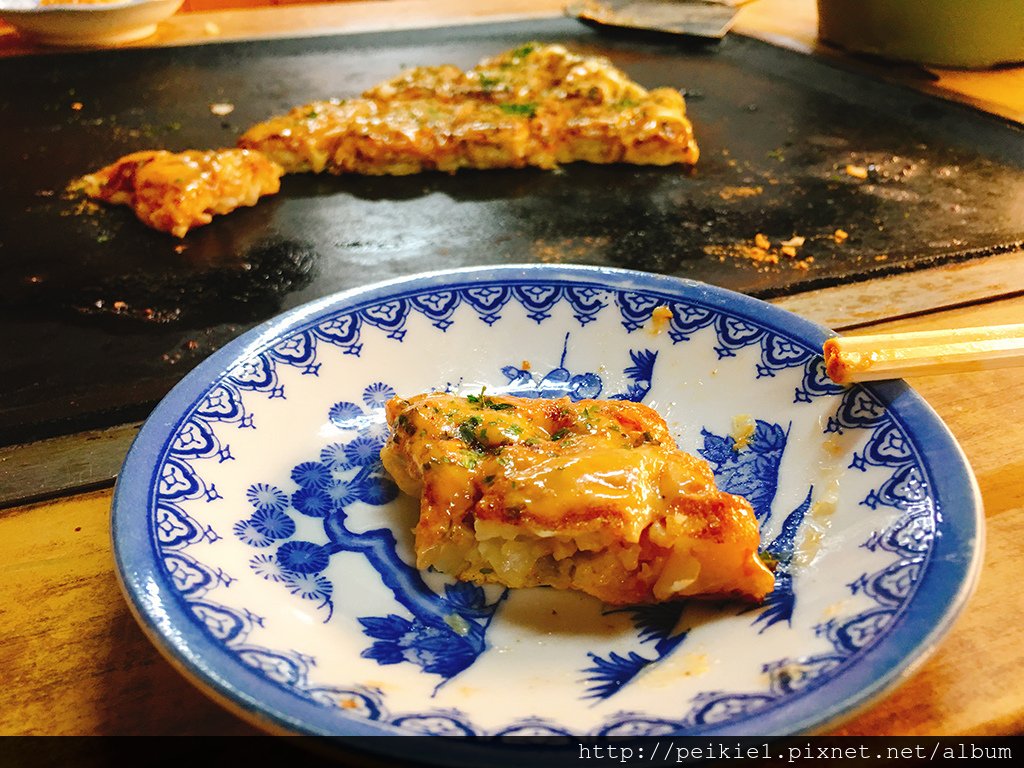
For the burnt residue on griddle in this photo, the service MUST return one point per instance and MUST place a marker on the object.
(192, 289)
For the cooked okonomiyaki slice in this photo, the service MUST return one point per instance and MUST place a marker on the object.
(592, 495)
(533, 106)
(174, 192)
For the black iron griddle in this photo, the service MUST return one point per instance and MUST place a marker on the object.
(99, 316)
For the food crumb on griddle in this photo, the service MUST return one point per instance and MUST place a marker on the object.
(733, 193)
(763, 253)
(568, 248)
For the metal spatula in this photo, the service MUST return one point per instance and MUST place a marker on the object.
(709, 20)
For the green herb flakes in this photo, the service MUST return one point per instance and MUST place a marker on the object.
(528, 109)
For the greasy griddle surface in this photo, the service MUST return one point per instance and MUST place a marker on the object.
(101, 316)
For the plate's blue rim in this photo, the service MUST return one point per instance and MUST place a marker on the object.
(947, 583)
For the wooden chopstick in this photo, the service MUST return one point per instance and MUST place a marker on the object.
(850, 359)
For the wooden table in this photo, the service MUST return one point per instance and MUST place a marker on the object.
(74, 661)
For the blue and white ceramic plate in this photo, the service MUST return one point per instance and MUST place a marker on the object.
(268, 554)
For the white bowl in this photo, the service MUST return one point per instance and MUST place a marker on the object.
(107, 23)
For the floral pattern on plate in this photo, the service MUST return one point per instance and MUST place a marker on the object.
(265, 546)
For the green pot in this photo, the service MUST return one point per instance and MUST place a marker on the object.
(947, 33)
